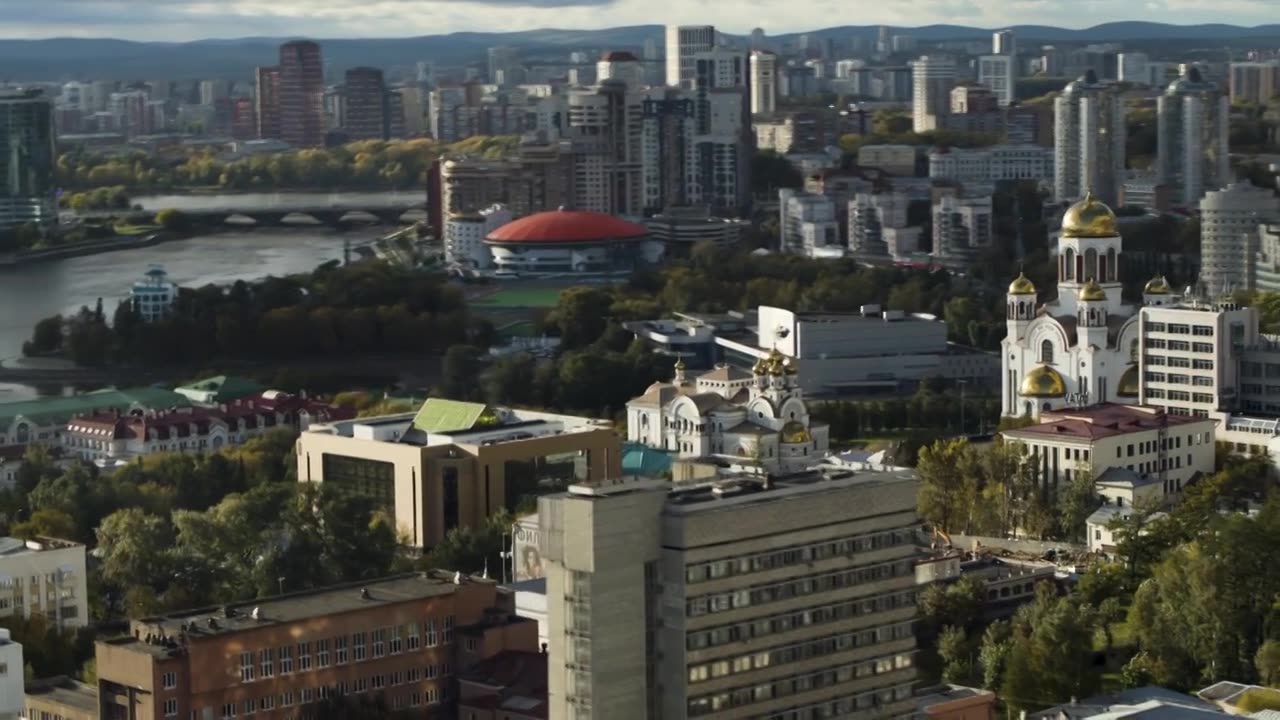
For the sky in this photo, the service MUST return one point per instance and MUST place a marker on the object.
(180, 20)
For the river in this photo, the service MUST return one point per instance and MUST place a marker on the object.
(31, 292)
(248, 202)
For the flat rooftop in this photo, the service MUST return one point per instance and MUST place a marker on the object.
(14, 547)
(65, 692)
(745, 489)
(1101, 421)
(289, 608)
(446, 422)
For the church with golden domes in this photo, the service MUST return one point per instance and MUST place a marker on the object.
(755, 419)
(1081, 347)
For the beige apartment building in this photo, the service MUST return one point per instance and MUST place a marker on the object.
(400, 639)
(453, 464)
(746, 597)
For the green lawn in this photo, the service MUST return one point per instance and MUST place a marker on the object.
(522, 297)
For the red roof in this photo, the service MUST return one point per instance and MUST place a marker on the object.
(1100, 421)
(567, 226)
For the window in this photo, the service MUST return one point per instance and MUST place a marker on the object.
(267, 703)
(1202, 330)
(266, 659)
(433, 696)
(361, 685)
(471, 644)
(379, 642)
(415, 674)
(286, 659)
(1046, 352)
(246, 667)
(322, 653)
(1202, 348)
(169, 680)
(1180, 345)
(308, 695)
(397, 678)
(412, 639)
(1155, 327)
(397, 643)
(304, 656)
(379, 682)
(1179, 329)
(286, 698)
(171, 707)
(340, 649)
(431, 633)
(431, 672)
(357, 646)
(250, 707)
(373, 479)
(447, 635)
(228, 711)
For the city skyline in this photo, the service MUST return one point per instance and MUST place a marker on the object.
(188, 20)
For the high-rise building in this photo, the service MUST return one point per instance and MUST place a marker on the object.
(683, 42)
(402, 639)
(504, 66)
(875, 223)
(621, 66)
(211, 91)
(414, 100)
(1229, 222)
(1003, 42)
(301, 97)
(1089, 141)
(426, 73)
(28, 159)
(1132, 67)
(725, 603)
(366, 116)
(764, 82)
(1000, 73)
(1192, 121)
(961, 227)
(798, 210)
(1255, 82)
(267, 102)
(932, 79)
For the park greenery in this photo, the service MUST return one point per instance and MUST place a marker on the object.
(368, 164)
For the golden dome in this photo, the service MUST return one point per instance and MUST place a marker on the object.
(795, 432)
(1089, 218)
(680, 364)
(1156, 286)
(1022, 285)
(774, 363)
(1043, 382)
(1092, 291)
(789, 367)
(1129, 383)
(758, 368)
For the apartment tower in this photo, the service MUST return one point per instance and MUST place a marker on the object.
(301, 97)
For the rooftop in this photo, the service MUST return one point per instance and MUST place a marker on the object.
(744, 489)
(58, 410)
(166, 631)
(512, 680)
(1100, 421)
(12, 547)
(224, 387)
(66, 692)
(448, 422)
(567, 226)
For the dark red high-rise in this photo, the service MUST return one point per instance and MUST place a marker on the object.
(301, 94)
(366, 115)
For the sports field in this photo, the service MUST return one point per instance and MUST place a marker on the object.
(521, 297)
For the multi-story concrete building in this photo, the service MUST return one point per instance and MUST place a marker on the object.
(1265, 275)
(367, 115)
(61, 697)
(1004, 42)
(453, 464)
(1191, 352)
(623, 67)
(798, 210)
(539, 175)
(764, 82)
(1089, 141)
(1171, 449)
(893, 159)
(12, 678)
(1255, 82)
(1000, 73)
(683, 42)
(1230, 220)
(1132, 68)
(301, 96)
(980, 167)
(961, 227)
(878, 226)
(464, 235)
(932, 80)
(680, 229)
(712, 601)
(27, 183)
(401, 640)
(1192, 129)
(266, 101)
(44, 577)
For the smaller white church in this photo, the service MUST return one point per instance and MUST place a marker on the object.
(750, 419)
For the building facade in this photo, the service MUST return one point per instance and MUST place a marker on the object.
(402, 639)
(981, 167)
(1255, 82)
(1089, 141)
(153, 295)
(27, 163)
(764, 82)
(1230, 220)
(44, 577)
(962, 226)
(366, 114)
(683, 42)
(1000, 73)
(712, 602)
(301, 96)
(932, 78)
(1193, 124)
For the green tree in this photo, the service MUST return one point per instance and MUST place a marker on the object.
(993, 654)
(1077, 501)
(46, 523)
(956, 654)
(131, 544)
(942, 498)
(460, 372)
(1268, 663)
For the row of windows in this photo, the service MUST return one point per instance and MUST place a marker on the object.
(796, 554)
(796, 587)
(796, 684)
(1177, 362)
(1179, 379)
(288, 698)
(843, 706)
(787, 621)
(795, 652)
(1180, 395)
(395, 639)
(1169, 443)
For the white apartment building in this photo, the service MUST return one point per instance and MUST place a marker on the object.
(1131, 67)
(13, 689)
(464, 235)
(683, 42)
(1191, 353)
(1230, 219)
(1171, 449)
(873, 220)
(737, 598)
(1265, 276)
(933, 77)
(1004, 42)
(1089, 141)
(44, 577)
(795, 210)
(961, 226)
(1000, 73)
(986, 166)
(764, 82)
(1193, 118)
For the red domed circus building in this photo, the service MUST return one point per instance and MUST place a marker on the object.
(571, 241)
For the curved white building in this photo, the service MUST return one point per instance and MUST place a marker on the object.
(1229, 222)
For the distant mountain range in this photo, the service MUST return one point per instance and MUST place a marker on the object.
(76, 58)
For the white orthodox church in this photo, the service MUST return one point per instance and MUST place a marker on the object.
(750, 419)
(1080, 348)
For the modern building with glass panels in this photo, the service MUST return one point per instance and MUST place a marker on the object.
(28, 189)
